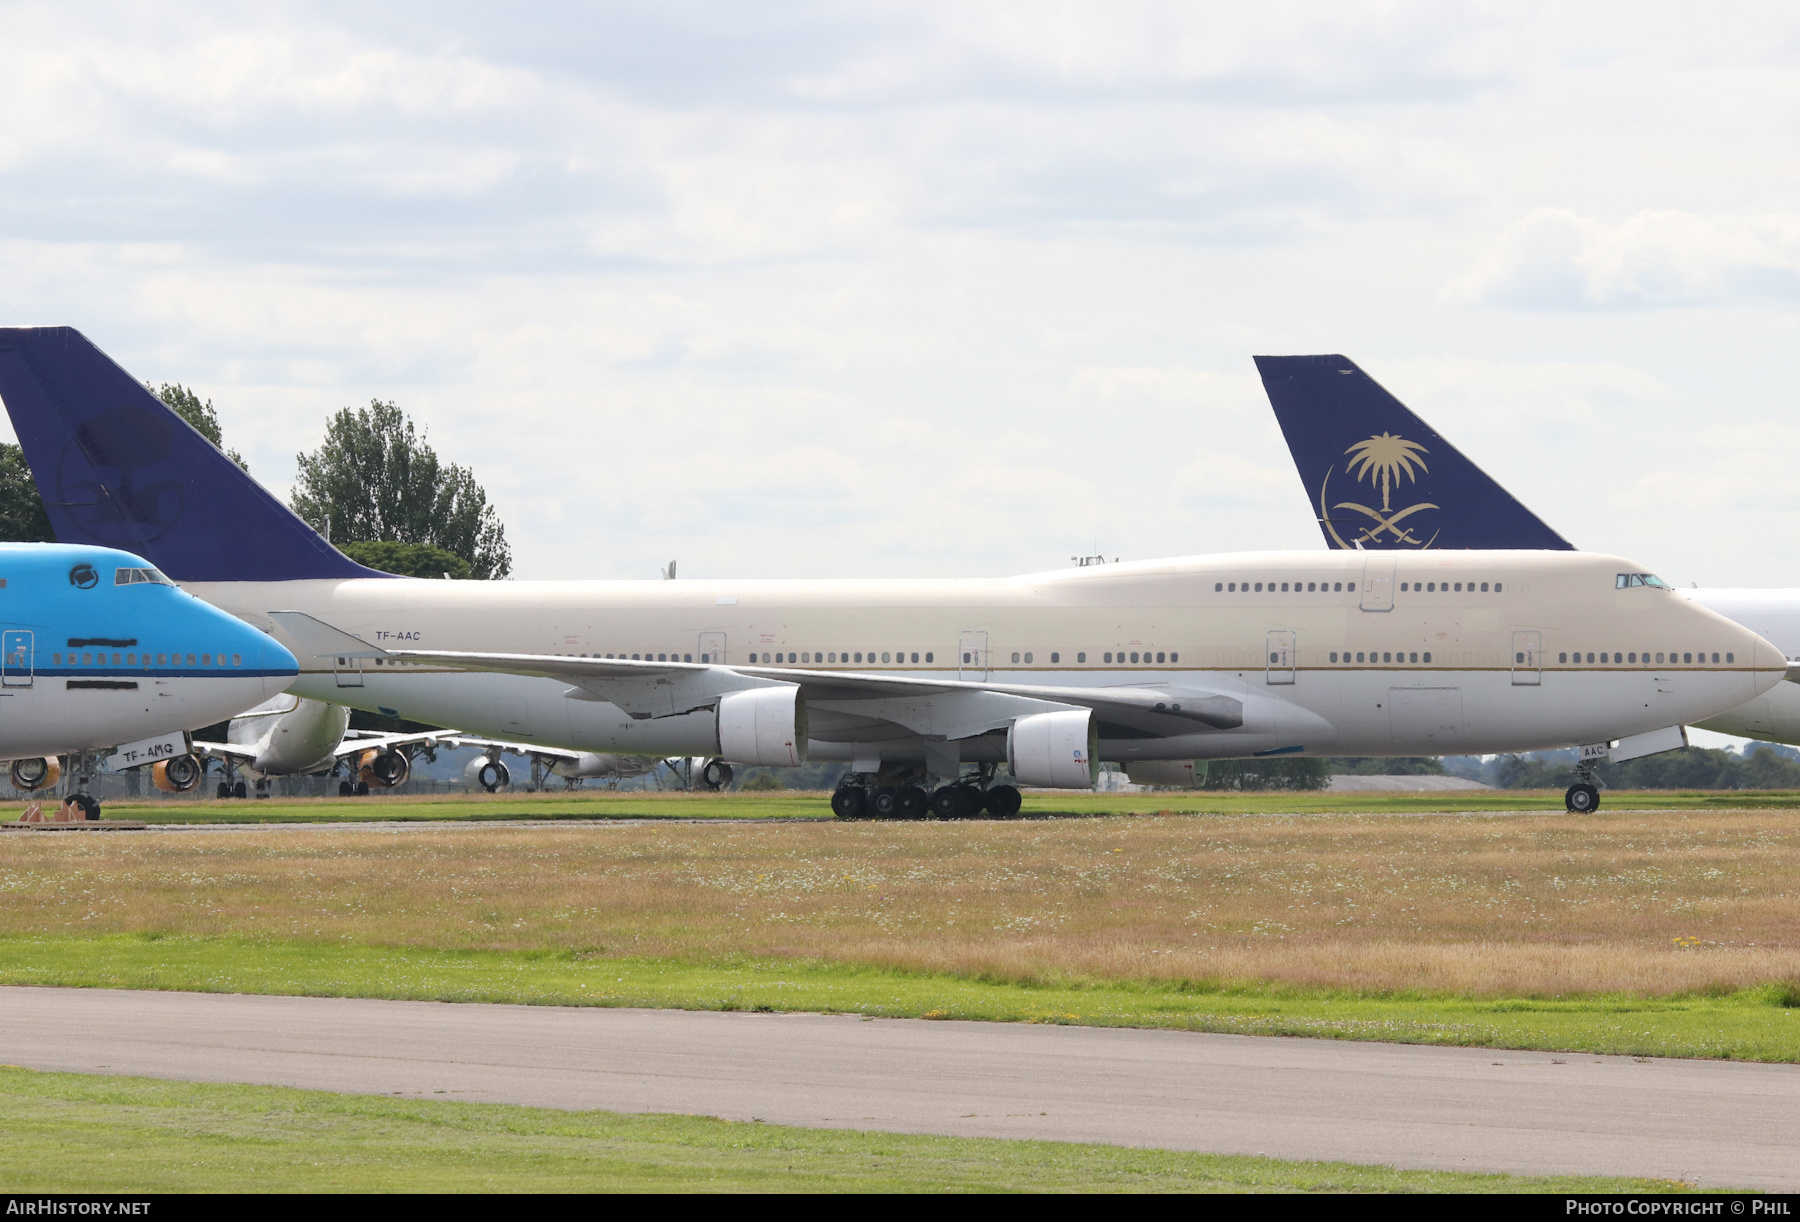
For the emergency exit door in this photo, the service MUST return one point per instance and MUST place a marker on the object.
(972, 656)
(1280, 652)
(15, 658)
(712, 648)
(1527, 660)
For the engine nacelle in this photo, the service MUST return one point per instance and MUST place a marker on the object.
(1055, 750)
(587, 764)
(384, 769)
(1172, 774)
(38, 772)
(178, 774)
(487, 772)
(765, 725)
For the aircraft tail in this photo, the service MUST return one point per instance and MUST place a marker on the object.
(117, 468)
(1380, 477)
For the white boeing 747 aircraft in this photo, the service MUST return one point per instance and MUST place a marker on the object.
(1335, 416)
(1252, 654)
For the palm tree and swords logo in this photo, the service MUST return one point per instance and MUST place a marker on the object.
(1382, 460)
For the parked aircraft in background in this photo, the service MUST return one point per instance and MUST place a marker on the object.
(1208, 657)
(98, 649)
(1353, 442)
(290, 736)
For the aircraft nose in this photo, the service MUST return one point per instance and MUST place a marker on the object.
(1771, 665)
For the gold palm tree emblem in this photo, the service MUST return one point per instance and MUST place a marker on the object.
(1385, 457)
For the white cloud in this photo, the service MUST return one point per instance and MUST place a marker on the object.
(1556, 259)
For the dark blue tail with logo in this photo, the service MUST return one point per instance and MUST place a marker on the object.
(117, 468)
(1380, 477)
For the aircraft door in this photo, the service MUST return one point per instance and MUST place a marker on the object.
(1280, 666)
(15, 658)
(1378, 582)
(712, 648)
(972, 652)
(1527, 660)
(349, 672)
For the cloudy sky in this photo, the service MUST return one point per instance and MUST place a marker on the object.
(960, 289)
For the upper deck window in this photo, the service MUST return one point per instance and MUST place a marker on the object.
(132, 577)
(1625, 581)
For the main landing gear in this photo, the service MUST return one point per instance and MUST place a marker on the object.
(884, 796)
(1583, 796)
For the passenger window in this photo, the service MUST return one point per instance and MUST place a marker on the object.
(1403, 587)
(1081, 657)
(1027, 657)
(1217, 586)
(1387, 657)
(859, 657)
(1159, 657)
(1108, 657)
(928, 657)
(1055, 658)
(1259, 587)
(1415, 657)
(1631, 657)
(1350, 586)
(163, 659)
(1174, 657)
(56, 659)
(1015, 657)
(1134, 657)
(1659, 657)
(1334, 656)
(1730, 658)
(1496, 587)
(1715, 657)
(205, 657)
(1483, 586)
(1359, 657)
(1233, 589)
(1687, 657)
(1284, 587)
(1340, 586)
(915, 657)
(884, 657)
(1562, 657)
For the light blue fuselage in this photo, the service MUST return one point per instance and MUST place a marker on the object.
(96, 649)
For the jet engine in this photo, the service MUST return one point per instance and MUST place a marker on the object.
(1173, 774)
(1055, 750)
(587, 764)
(487, 772)
(765, 725)
(384, 769)
(38, 772)
(178, 774)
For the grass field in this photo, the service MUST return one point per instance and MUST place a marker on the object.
(1671, 932)
(75, 1133)
(794, 804)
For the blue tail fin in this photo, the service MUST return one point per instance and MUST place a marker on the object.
(119, 469)
(1380, 477)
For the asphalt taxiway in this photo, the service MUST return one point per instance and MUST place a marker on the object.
(1715, 1123)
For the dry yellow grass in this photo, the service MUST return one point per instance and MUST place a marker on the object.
(1645, 903)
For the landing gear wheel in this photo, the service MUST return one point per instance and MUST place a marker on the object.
(946, 803)
(716, 774)
(848, 803)
(224, 789)
(240, 790)
(90, 805)
(1003, 801)
(346, 789)
(909, 802)
(1582, 799)
(886, 803)
(362, 789)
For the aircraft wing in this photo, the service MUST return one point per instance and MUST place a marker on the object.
(938, 707)
(366, 741)
(234, 752)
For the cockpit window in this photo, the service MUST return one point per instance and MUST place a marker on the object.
(132, 577)
(1625, 581)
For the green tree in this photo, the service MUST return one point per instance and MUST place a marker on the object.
(408, 559)
(377, 480)
(22, 516)
(186, 404)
